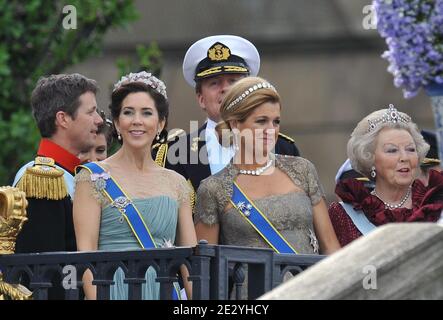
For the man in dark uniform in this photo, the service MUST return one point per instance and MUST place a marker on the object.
(64, 107)
(210, 66)
(431, 161)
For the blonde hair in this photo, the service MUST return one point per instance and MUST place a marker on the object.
(241, 110)
(361, 145)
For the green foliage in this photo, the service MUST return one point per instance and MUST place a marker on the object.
(34, 43)
(148, 59)
(15, 134)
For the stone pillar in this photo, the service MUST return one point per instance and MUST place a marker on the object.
(396, 261)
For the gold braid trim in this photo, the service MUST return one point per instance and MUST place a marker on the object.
(193, 195)
(43, 181)
(162, 152)
(160, 157)
(286, 137)
(13, 291)
(176, 134)
(209, 71)
(430, 161)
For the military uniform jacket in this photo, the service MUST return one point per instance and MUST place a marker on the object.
(48, 184)
(194, 164)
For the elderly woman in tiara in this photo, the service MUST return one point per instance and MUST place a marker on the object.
(261, 199)
(386, 147)
(127, 201)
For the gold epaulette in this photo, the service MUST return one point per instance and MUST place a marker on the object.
(162, 148)
(286, 137)
(43, 181)
(162, 152)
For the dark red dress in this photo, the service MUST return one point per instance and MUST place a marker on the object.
(427, 205)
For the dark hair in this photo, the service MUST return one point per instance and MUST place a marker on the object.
(59, 92)
(161, 103)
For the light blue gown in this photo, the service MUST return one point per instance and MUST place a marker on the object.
(160, 215)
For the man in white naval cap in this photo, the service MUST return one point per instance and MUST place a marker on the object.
(211, 65)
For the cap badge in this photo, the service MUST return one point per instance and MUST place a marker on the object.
(218, 52)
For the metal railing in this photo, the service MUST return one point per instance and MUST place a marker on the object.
(216, 272)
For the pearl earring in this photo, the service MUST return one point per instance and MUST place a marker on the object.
(373, 173)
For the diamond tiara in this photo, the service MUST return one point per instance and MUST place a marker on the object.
(146, 78)
(255, 87)
(390, 116)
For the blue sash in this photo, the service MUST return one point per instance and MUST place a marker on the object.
(358, 218)
(259, 221)
(123, 203)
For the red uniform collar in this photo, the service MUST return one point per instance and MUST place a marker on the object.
(61, 156)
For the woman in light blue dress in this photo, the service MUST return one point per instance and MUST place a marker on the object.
(139, 109)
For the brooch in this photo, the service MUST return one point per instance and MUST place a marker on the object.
(99, 180)
(314, 241)
(121, 203)
(244, 208)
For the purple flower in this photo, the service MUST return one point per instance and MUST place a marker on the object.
(413, 30)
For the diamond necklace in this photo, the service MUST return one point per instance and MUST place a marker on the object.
(258, 171)
(394, 206)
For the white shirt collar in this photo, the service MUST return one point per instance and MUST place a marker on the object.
(210, 125)
(218, 156)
